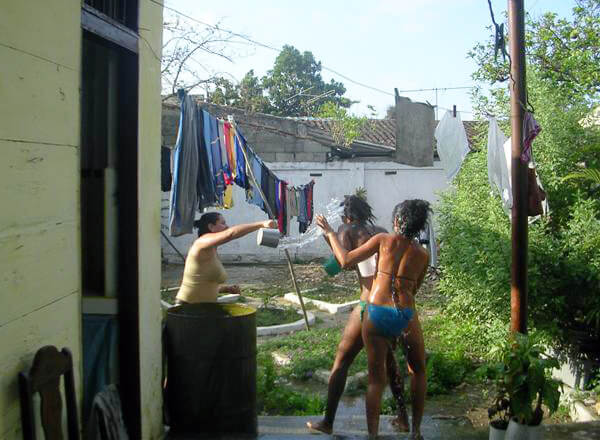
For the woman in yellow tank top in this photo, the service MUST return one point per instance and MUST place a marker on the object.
(204, 274)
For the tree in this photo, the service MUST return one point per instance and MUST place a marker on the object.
(295, 85)
(345, 128)
(186, 47)
(224, 93)
(251, 94)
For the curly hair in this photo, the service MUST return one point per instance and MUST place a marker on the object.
(209, 218)
(356, 208)
(411, 216)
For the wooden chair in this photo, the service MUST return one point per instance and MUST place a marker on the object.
(44, 377)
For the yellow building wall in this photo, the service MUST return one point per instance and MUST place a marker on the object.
(149, 131)
(40, 53)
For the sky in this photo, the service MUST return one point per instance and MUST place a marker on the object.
(385, 44)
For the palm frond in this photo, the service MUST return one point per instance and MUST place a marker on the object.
(589, 174)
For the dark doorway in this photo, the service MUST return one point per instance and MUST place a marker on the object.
(109, 220)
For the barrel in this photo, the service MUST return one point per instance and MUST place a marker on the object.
(211, 369)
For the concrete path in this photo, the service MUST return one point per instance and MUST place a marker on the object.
(292, 428)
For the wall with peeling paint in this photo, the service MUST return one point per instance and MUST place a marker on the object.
(40, 300)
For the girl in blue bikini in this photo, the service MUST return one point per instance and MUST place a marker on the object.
(390, 312)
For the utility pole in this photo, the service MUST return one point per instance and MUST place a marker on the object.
(518, 98)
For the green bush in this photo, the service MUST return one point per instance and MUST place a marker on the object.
(274, 398)
(563, 248)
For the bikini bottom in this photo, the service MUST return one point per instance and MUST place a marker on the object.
(389, 321)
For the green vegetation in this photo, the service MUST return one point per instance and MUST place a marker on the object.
(266, 316)
(345, 128)
(274, 398)
(333, 294)
(522, 378)
(564, 262)
(288, 89)
(309, 352)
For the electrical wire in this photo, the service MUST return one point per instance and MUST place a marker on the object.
(267, 46)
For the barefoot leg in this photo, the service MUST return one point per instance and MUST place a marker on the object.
(349, 347)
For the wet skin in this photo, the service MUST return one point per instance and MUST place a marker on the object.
(352, 235)
(408, 260)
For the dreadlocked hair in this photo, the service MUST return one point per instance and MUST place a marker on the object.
(357, 208)
(209, 218)
(411, 217)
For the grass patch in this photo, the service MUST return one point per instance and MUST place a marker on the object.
(266, 316)
(310, 351)
(275, 398)
(333, 294)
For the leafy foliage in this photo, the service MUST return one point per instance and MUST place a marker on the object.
(293, 87)
(475, 232)
(345, 128)
(274, 398)
(249, 94)
(295, 80)
(522, 377)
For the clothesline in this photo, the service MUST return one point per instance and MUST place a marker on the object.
(209, 159)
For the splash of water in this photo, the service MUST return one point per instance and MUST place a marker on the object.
(332, 212)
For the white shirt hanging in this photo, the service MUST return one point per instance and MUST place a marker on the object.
(452, 143)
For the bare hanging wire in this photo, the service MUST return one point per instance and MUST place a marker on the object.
(500, 45)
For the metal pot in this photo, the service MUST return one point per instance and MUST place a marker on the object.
(268, 237)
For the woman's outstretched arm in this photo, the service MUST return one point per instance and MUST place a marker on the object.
(218, 238)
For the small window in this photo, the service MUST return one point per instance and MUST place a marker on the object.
(122, 11)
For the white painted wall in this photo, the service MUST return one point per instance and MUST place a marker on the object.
(338, 178)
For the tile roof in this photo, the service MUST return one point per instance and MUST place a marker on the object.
(383, 131)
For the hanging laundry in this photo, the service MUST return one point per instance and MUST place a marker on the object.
(231, 153)
(498, 174)
(227, 134)
(452, 143)
(228, 197)
(241, 176)
(531, 129)
(500, 166)
(211, 138)
(223, 145)
(305, 206)
(272, 183)
(205, 184)
(253, 195)
(302, 214)
(184, 194)
(281, 207)
(292, 202)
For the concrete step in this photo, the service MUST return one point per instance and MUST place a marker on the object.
(355, 428)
